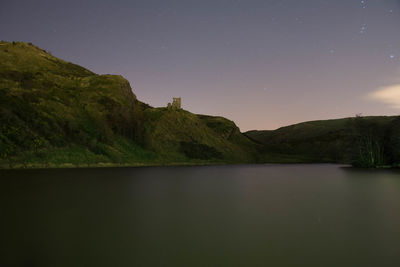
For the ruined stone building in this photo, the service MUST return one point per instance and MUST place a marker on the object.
(176, 103)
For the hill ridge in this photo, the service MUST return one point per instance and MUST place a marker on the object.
(55, 113)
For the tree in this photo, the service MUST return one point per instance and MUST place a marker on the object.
(370, 138)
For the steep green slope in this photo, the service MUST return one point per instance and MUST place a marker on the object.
(328, 140)
(182, 135)
(55, 113)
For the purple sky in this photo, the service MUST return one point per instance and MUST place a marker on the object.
(262, 63)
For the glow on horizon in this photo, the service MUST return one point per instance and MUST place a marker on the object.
(389, 95)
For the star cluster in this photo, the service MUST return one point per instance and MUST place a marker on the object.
(363, 28)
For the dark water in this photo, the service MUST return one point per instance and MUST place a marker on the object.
(251, 215)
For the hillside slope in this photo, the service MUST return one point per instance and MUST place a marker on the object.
(340, 140)
(183, 135)
(55, 113)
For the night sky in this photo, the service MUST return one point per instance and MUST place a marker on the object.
(262, 63)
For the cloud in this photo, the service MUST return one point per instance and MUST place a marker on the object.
(388, 94)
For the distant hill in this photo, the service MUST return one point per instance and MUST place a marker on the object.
(55, 113)
(339, 141)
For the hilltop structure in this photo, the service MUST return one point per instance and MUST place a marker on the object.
(176, 103)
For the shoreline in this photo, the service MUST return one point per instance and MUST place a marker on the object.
(179, 164)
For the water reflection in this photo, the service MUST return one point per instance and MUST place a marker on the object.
(245, 215)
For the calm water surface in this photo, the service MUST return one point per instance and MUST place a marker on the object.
(248, 215)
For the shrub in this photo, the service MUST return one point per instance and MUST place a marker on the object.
(199, 151)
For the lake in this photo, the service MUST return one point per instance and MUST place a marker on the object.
(242, 215)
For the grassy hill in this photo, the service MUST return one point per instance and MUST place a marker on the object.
(55, 113)
(341, 141)
(183, 135)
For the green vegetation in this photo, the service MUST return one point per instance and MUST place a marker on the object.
(361, 141)
(56, 114)
(180, 134)
(377, 142)
(199, 151)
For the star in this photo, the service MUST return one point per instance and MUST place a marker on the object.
(363, 4)
(392, 56)
(363, 28)
(299, 20)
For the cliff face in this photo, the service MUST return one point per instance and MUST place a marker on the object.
(55, 112)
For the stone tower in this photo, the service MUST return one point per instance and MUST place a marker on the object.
(176, 102)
